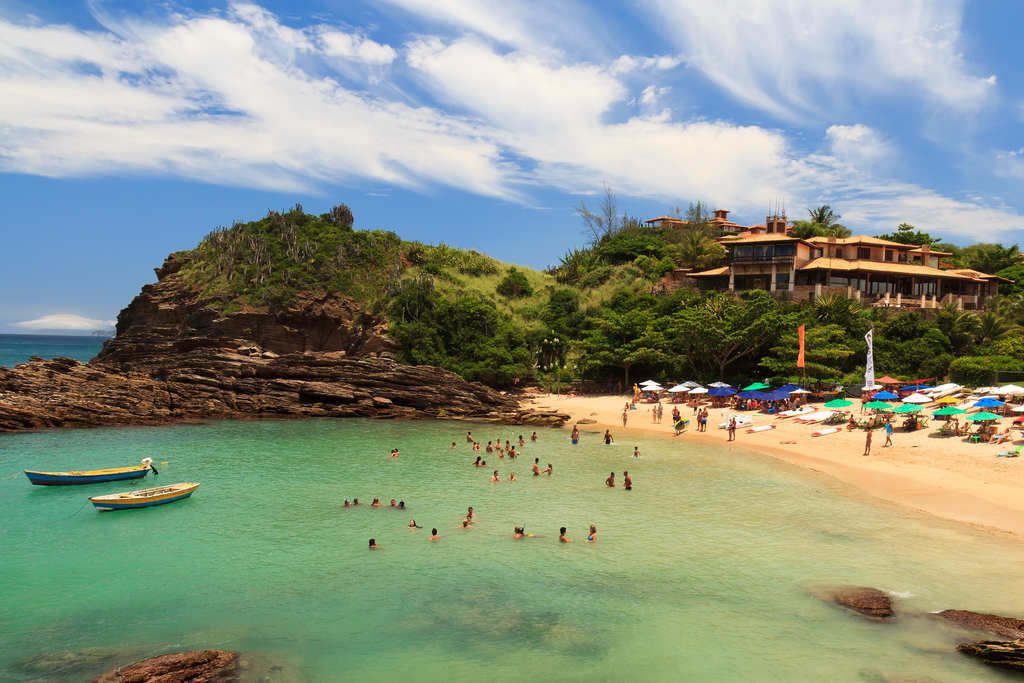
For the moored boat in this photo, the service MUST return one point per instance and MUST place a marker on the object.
(144, 498)
(86, 476)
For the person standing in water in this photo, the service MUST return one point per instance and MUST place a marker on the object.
(592, 536)
(607, 437)
(434, 536)
(562, 538)
(575, 433)
(610, 481)
(549, 470)
(512, 476)
(469, 437)
(494, 477)
(626, 481)
(533, 437)
(536, 466)
(636, 451)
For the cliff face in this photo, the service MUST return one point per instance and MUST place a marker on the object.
(175, 357)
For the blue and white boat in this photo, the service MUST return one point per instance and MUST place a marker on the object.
(86, 476)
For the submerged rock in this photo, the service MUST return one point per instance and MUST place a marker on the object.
(1005, 627)
(59, 664)
(203, 666)
(868, 602)
(1004, 654)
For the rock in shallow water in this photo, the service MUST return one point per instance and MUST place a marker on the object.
(868, 602)
(1004, 654)
(1004, 627)
(203, 666)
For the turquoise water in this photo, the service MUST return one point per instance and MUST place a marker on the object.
(699, 573)
(18, 348)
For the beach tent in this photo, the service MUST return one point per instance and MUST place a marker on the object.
(838, 403)
(756, 386)
(989, 403)
(878, 405)
(679, 388)
(983, 417)
(720, 385)
(917, 398)
(949, 410)
(906, 408)
(698, 390)
(719, 392)
(884, 396)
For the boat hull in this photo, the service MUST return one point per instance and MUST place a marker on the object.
(131, 501)
(93, 477)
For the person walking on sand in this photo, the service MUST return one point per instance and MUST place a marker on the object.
(867, 444)
(625, 418)
(732, 429)
(888, 434)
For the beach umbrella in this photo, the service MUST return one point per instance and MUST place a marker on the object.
(906, 408)
(649, 382)
(720, 385)
(777, 395)
(698, 390)
(983, 417)
(690, 383)
(878, 405)
(989, 403)
(679, 388)
(949, 410)
(873, 387)
(889, 380)
(948, 399)
(1008, 390)
(799, 391)
(1018, 409)
(756, 386)
(760, 395)
(721, 391)
(884, 396)
(917, 398)
(838, 403)
(789, 388)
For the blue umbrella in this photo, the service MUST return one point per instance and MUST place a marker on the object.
(789, 387)
(989, 403)
(759, 395)
(721, 391)
(884, 396)
(777, 395)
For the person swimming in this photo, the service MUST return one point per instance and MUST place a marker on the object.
(536, 466)
(393, 504)
(610, 481)
(518, 533)
(533, 437)
(562, 538)
(394, 453)
(376, 503)
(453, 445)
(347, 504)
(465, 524)
(626, 481)
(373, 544)
(401, 505)
(512, 476)
(434, 536)
(355, 501)
(470, 515)
(494, 477)
(549, 470)
(414, 525)
(592, 536)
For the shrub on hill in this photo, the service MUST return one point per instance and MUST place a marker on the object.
(514, 284)
(978, 371)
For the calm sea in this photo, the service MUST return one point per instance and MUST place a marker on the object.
(18, 348)
(699, 573)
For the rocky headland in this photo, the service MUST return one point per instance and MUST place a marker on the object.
(178, 355)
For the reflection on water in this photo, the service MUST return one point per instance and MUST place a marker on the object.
(699, 573)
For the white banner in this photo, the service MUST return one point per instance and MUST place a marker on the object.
(869, 370)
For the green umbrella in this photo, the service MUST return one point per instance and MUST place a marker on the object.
(756, 386)
(838, 403)
(983, 417)
(878, 405)
(906, 408)
(949, 410)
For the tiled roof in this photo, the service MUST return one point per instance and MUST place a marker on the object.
(919, 250)
(858, 239)
(883, 267)
(748, 239)
(977, 274)
(665, 219)
(714, 272)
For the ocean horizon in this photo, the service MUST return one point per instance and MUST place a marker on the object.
(17, 348)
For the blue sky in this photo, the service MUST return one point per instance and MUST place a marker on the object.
(130, 129)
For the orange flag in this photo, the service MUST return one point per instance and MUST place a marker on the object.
(800, 357)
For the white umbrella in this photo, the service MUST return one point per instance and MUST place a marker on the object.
(983, 390)
(689, 384)
(699, 390)
(1008, 390)
(719, 385)
(1018, 409)
(917, 398)
(799, 391)
(872, 387)
(649, 382)
(679, 388)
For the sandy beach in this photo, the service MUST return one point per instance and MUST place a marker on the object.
(946, 477)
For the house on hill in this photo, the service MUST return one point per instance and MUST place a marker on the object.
(875, 271)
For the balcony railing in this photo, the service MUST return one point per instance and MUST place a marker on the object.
(762, 259)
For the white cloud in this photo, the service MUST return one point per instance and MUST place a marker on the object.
(338, 44)
(858, 144)
(651, 93)
(1010, 163)
(805, 57)
(627, 63)
(66, 321)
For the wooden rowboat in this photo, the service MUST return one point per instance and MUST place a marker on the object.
(86, 476)
(144, 498)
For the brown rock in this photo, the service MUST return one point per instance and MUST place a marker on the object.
(204, 666)
(1004, 627)
(867, 602)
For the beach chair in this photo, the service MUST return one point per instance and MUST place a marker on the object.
(1010, 454)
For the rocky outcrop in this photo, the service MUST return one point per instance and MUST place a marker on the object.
(176, 357)
(867, 602)
(1003, 654)
(204, 666)
(1004, 627)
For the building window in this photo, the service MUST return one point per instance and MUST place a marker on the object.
(784, 250)
(863, 253)
(818, 253)
(781, 280)
(839, 253)
(888, 254)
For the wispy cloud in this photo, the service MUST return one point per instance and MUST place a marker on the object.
(66, 321)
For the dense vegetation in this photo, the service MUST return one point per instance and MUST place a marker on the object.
(598, 315)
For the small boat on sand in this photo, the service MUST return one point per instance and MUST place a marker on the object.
(86, 476)
(144, 498)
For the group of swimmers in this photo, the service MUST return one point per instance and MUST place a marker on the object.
(520, 532)
(517, 532)
(400, 505)
(627, 483)
(493, 446)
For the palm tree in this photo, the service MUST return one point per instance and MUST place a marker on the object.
(827, 221)
(992, 327)
(958, 326)
(698, 250)
(835, 309)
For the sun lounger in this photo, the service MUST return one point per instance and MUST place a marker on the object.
(760, 428)
(1010, 454)
(802, 410)
(814, 417)
(825, 431)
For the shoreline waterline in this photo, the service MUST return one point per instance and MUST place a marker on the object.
(981, 491)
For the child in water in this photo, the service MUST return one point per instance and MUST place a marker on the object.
(373, 544)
